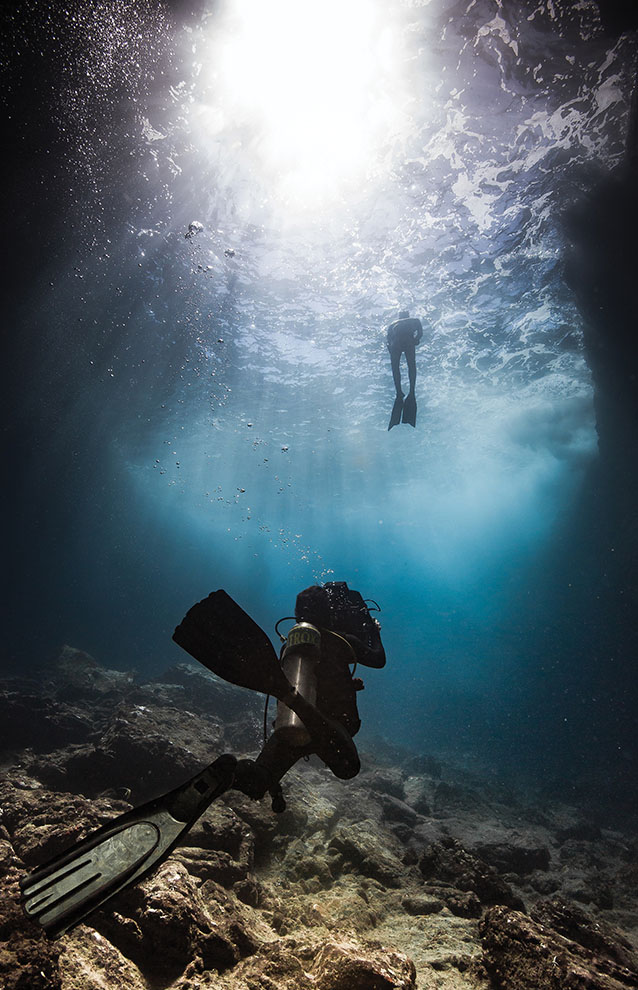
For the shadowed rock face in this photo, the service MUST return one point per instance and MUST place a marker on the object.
(523, 953)
(355, 886)
(601, 269)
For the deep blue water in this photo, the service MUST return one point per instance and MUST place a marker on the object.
(203, 411)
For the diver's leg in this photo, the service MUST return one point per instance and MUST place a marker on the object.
(277, 757)
(395, 357)
(411, 359)
(255, 777)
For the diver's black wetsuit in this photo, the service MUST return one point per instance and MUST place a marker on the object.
(336, 687)
(402, 337)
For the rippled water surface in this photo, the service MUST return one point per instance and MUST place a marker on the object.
(228, 204)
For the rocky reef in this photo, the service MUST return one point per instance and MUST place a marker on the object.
(419, 873)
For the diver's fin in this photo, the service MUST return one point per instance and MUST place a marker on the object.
(409, 409)
(218, 633)
(397, 409)
(63, 892)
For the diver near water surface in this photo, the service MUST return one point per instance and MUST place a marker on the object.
(316, 714)
(402, 337)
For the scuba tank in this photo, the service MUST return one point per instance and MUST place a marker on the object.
(299, 660)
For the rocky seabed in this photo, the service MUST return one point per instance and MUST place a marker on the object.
(421, 873)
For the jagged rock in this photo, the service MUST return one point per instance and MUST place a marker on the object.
(358, 804)
(222, 828)
(29, 717)
(168, 910)
(364, 849)
(240, 711)
(424, 764)
(42, 823)
(346, 965)
(78, 675)
(395, 810)
(88, 961)
(514, 857)
(464, 904)
(248, 891)
(453, 797)
(72, 768)
(386, 781)
(142, 751)
(307, 858)
(522, 954)
(204, 692)
(422, 905)
(582, 830)
(220, 847)
(419, 793)
(427, 832)
(575, 924)
(586, 855)
(28, 961)
(263, 824)
(589, 890)
(449, 861)
(158, 693)
(150, 750)
(347, 904)
(276, 967)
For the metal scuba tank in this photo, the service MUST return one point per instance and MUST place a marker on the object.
(299, 661)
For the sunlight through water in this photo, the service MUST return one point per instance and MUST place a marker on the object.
(314, 90)
(254, 190)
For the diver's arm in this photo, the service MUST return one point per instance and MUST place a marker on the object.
(419, 332)
(370, 654)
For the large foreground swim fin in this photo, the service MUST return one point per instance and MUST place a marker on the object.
(224, 638)
(409, 409)
(397, 409)
(63, 892)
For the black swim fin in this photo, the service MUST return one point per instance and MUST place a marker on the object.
(397, 409)
(63, 892)
(224, 638)
(409, 409)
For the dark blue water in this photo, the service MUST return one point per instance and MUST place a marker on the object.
(198, 409)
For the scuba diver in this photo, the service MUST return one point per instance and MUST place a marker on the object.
(402, 337)
(316, 714)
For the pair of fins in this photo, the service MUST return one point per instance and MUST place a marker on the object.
(403, 410)
(221, 636)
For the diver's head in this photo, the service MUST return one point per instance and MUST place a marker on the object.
(404, 314)
(313, 605)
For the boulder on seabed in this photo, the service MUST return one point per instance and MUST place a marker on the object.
(78, 675)
(170, 912)
(367, 851)
(448, 861)
(346, 965)
(523, 953)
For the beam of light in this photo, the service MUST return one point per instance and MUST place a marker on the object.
(312, 86)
